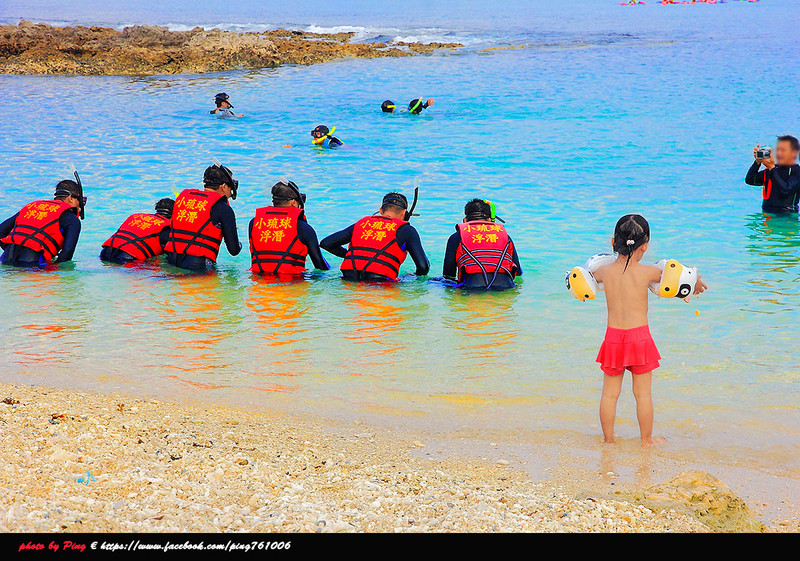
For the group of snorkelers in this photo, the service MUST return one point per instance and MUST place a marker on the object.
(191, 229)
(480, 254)
(321, 135)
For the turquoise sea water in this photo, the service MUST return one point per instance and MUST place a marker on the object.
(597, 110)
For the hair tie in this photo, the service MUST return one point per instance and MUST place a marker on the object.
(630, 242)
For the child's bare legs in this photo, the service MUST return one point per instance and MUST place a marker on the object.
(644, 406)
(612, 385)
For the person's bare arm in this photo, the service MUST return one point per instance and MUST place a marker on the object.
(700, 287)
(600, 273)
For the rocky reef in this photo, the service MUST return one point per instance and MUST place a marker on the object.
(30, 48)
(706, 498)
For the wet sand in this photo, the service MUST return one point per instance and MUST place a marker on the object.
(77, 461)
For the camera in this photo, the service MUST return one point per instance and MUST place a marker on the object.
(763, 153)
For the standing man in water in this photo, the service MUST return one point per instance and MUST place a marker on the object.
(201, 220)
(378, 245)
(281, 237)
(780, 178)
(45, 232)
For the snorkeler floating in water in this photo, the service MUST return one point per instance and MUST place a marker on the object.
(480, 254)
(388, 106)
(378, 244)
(224, 106)
(45, 232)
(415, 106)
(323, 136)
(141, 236)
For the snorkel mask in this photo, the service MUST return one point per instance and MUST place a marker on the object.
(320, 133)
(228, 176)
(402, 202)
(164, 207)
(222, 97)
(79, 195)
(300, 197)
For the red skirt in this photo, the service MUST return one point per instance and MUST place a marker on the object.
(628, 349)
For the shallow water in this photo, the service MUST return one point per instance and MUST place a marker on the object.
(595, 113)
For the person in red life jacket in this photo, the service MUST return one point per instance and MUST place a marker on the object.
(480, 254)
(280, 236)
(201, 220)
(141, 236)
(378, 244)
(45, 232)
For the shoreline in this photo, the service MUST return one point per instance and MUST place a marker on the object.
(83, 461)
(141, 50)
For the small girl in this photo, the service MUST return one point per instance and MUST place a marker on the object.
(628, 344)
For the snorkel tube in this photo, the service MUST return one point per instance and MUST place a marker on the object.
(80, 197)
(493, 213)
(231, 182)
(410, 211)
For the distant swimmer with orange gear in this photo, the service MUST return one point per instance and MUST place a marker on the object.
(202, 219)
(45, 232)
(142, 236)
(378, 244)
(481, 254)
(323, 137)
(280, 236)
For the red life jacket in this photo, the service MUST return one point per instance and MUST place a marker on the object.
(485, 248)
(373, 247)
(139, 236)
(192, 232)
(275, 246)
(37, 227)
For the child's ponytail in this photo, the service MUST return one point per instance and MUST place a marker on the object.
(631, 233)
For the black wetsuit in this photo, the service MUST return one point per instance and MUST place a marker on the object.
(308, 237)
(785, 186)
(407, 239)
(21, 256)
(475, 280)
(415, 106)
(223, 217)
(115, 255)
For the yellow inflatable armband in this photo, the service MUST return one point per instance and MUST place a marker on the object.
(677, 281)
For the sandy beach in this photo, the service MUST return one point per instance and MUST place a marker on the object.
(74, 461)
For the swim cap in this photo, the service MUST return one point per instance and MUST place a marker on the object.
(388, 106)
(164, 207)
(220, 97)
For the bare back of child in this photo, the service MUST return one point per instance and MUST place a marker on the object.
(628, 344)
